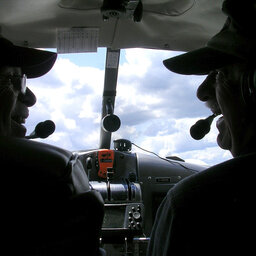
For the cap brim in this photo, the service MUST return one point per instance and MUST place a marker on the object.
(34, 63)
(199, 62)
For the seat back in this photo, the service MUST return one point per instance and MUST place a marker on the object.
(47, 206)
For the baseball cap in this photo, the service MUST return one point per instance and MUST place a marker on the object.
(33, 62)
(235, 42)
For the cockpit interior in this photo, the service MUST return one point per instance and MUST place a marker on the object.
(99, 201)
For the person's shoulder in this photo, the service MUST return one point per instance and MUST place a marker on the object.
(215, 181)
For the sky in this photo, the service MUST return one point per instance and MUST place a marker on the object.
(156, 107)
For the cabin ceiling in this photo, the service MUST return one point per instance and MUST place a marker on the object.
(180, 25)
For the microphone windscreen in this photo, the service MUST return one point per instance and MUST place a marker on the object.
(44, 129)
(200, 129)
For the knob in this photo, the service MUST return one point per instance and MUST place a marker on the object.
(137, 216)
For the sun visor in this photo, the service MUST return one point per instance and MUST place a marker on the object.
(80, 4)
(168, 7)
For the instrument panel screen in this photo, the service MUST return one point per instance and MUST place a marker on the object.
(114, 216)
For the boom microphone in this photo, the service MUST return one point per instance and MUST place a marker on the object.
(201, 127)
(42, 130)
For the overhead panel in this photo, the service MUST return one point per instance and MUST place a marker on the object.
(165, 24)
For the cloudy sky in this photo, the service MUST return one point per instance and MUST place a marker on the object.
(156, 106)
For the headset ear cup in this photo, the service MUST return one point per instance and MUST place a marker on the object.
(248, 87)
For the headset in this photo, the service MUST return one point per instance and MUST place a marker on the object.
(248, 87)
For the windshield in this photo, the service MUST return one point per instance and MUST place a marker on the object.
(156, 106)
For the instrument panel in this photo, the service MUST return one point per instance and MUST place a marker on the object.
(132, 186)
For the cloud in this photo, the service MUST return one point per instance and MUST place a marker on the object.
(156, 106)
(157, 90)
(209, 156)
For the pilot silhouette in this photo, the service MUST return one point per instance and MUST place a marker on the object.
(211, 212)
